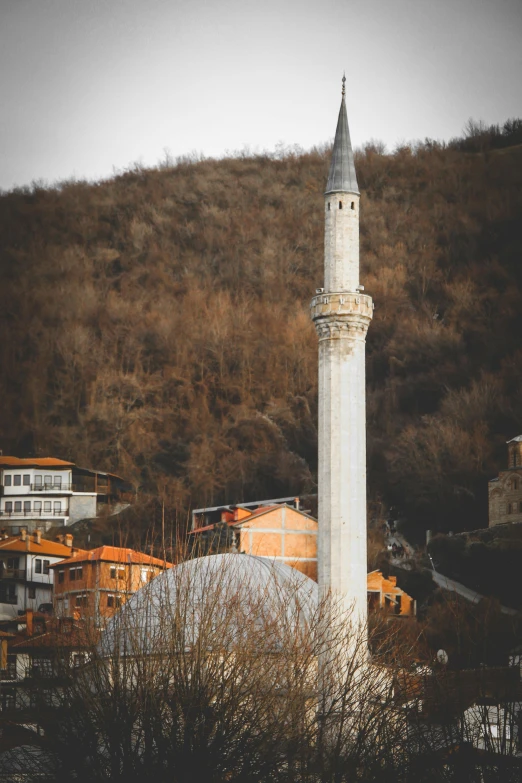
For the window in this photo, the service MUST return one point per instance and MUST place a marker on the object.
(82, 599)
(8, 594)
(328, 206)
(79, 659)
(38, 482)
(32, 592)
(75, 573)
(38, 566)
(8, 506)
(18, 506)
(48, 481)
(27, 506)
(17, 480)
(8, 480)
(58, 482)
(514, 484)
(340, 205)
(72, 574)
(117, 573)
(61, 576)
(57, 507)
(13, 562)
(113, 601)
(353, 205)
(47, 506)
(37, 506)
(27, 479)
(46, 564)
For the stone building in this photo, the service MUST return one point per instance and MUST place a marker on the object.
(505, 491)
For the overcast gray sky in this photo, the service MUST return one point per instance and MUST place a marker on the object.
(89, 86)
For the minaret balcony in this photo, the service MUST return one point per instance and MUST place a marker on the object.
(326, 305)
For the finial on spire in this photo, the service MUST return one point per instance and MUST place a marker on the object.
(344, 82)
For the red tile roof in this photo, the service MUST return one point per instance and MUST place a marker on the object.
(41, 462)
(52, 548)
(238, 522)
(114, 554)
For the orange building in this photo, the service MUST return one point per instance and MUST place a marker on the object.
(284, 533)
(96, 583)
(383, 593)
(281, 532)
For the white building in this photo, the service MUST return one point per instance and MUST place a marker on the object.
(45, 492)
(26, 576)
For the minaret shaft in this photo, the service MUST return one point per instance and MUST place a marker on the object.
(342, 314)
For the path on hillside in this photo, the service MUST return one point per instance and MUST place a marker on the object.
(470, 595)
(440, 580)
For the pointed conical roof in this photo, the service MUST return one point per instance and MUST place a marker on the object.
(342, 168)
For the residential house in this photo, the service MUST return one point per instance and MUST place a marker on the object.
(96, 583)
(26, 576)
(36, 649)
(45, 492)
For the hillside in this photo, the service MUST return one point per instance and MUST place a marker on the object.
(157, 325)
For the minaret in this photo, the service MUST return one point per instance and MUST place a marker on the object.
(342, 314)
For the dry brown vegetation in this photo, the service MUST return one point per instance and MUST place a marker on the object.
(157, 325)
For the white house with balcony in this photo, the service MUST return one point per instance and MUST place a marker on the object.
(26, 576)
(45, 492)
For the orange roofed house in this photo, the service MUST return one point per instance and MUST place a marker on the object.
(280, 530)
(96, 583)
(26, 576)
(44, 492)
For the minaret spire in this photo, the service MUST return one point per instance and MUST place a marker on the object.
(342, 168)
(342, 314)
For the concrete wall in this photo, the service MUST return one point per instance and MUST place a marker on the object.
(82, 507)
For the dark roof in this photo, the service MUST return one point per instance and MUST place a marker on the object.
(342, 176)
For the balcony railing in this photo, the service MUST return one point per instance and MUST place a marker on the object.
(31, 514)
(49, 486)
(12, 573)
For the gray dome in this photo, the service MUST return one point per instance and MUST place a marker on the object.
(219, 601)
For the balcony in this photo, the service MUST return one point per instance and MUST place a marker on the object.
(33, 514)
(12, 573)
(51, 487)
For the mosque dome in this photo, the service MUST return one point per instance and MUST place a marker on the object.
(218, 600)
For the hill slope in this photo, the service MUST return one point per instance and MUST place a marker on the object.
(157, 325)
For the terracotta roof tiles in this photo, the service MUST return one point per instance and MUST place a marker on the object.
(114, 554)
(41, 462)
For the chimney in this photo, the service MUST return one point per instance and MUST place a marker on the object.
(296, 503)
(68, 540)
(23, 534)
(29, 622)
(38, 536)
